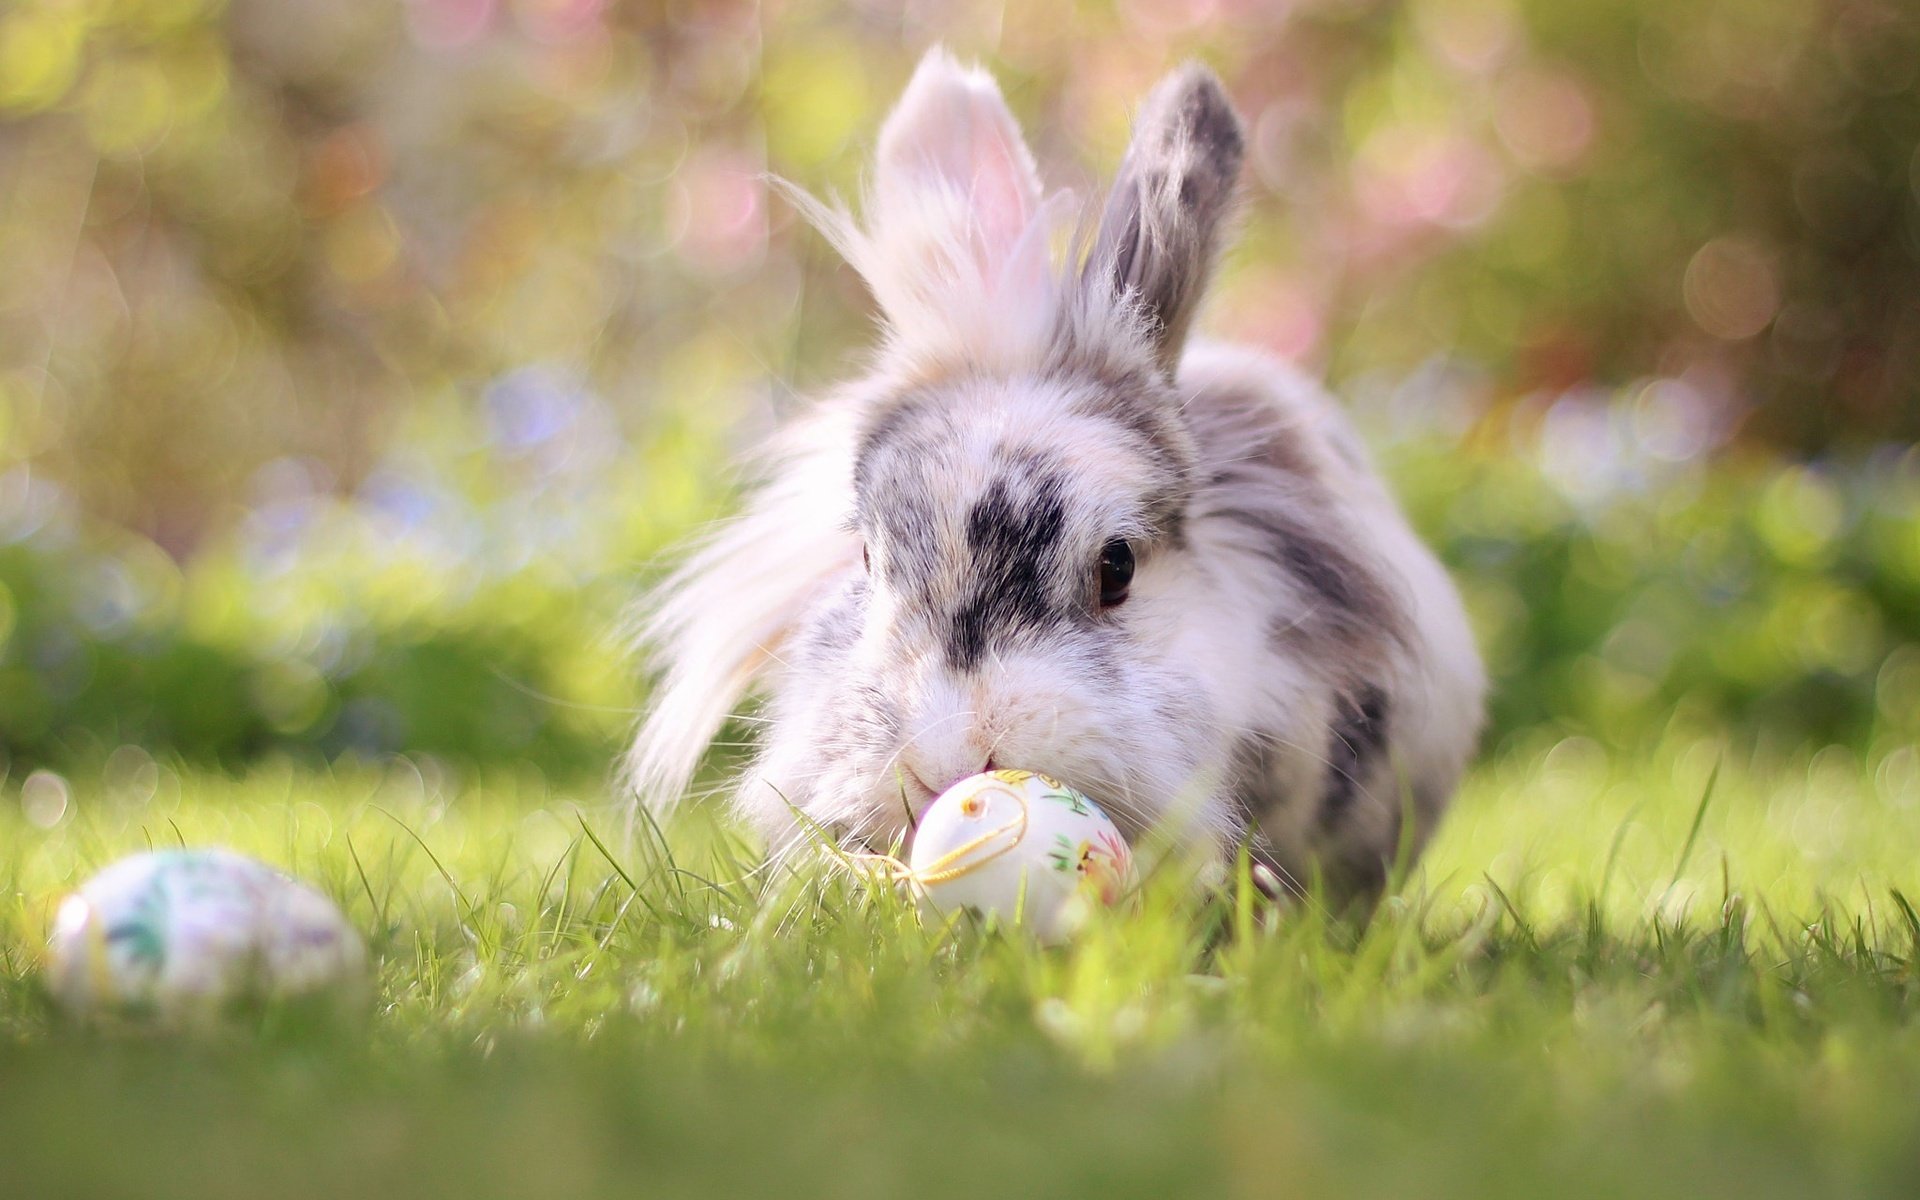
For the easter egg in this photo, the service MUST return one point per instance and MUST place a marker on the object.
(1020, 846)
(180, 937)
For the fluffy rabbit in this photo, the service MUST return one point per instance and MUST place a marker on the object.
(1046, 530)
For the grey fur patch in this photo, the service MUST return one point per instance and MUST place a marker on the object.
(908, 426)
(1358, 881)
(1124, 391)
(896, 422)
(1345, 592)
(1354, 751)
(857, 718)
(1163, 218)
(836, 627)
(1144, 408)
(1351, 609)
(1252, 784)
(1259, 473)
(891, 500)
(1254, 788)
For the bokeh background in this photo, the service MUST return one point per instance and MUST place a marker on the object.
(359, 359)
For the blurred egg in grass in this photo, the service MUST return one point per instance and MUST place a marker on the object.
(184, 937)
(1022, 847)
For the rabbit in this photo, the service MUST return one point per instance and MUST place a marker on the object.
(1048, 529)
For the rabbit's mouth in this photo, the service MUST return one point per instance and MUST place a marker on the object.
(919, 792)
(902, 799)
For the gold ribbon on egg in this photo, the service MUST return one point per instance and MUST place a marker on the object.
(952, 864)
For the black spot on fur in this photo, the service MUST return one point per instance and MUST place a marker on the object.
(1010, 537)
(1359, 739)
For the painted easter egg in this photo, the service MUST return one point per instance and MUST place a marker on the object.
(1021, 846)
(181, 937)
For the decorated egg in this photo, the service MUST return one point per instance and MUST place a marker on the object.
(1021, 846)
(180, 937)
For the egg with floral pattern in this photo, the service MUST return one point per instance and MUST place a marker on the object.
(181, 937)
(1019, 846)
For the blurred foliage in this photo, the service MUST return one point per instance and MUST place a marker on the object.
(466, 604)
(1621, 593)
(467, 611)
(241, 230)
(354, 355)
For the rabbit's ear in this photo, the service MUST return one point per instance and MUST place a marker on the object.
(1161, 227)
(955, 187)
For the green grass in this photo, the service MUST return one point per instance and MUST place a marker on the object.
(1594, 985)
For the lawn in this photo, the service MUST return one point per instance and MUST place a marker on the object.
(362, 363)
(1688, 973)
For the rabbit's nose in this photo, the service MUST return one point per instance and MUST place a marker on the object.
(937, 774)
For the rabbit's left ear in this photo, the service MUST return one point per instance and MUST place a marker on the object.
(955, 189)
(1161, 227)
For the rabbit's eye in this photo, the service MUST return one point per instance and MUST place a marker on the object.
(866, 559)
(1116, 572)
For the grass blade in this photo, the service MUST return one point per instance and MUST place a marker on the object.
(1699, 816)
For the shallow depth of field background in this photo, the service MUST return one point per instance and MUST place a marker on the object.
(357, 360)
(360, 360)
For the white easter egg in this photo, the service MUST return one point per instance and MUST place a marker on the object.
(180, 936)
(1020, 846)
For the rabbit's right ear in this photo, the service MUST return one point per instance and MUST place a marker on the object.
(1161, 227)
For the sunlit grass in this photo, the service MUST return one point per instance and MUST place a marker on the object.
(1796, 832)
(1595, 983)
